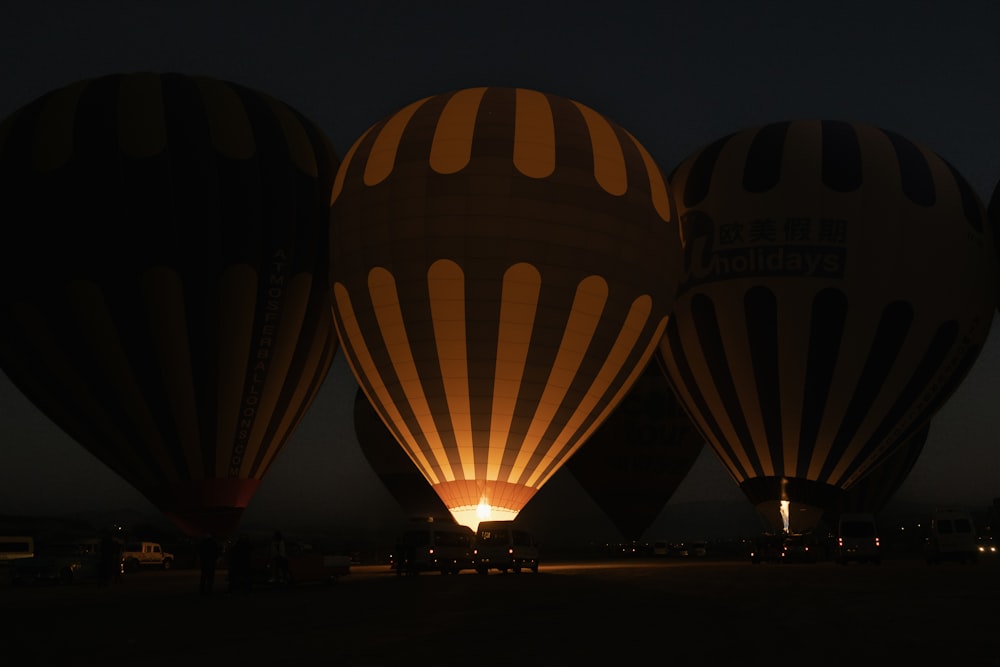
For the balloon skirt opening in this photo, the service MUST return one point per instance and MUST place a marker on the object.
(201, 507)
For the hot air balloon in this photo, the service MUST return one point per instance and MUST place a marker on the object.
(502, 265)
(637, 458)
(167, 263)
(400, 476)
(993, 214)
(873, 492)
(839, 283)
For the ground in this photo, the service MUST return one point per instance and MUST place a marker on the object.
(684, 612)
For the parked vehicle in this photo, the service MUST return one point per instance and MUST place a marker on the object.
(146, 554)
(441, 546)
(57, 563)
(857, 539)
(952, 537)
(766, 548)
(798, 548)
(503, 545)
(697, 549)
(14, 547)
(305, 563)
(986, 547)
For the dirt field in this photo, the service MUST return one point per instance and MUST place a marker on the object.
(668, 612)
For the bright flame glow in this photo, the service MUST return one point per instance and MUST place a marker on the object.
(471, 515)
(784, 514)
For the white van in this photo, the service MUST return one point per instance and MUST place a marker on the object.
(857, 539)
(439, 545)
(503, 545)
(952, 537)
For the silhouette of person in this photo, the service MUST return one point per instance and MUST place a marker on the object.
(280, 571)
(240, 575)
(208, 554)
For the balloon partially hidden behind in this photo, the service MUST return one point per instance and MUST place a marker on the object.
(873, 492)
(637, 458)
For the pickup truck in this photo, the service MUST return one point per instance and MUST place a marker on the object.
(146, 554)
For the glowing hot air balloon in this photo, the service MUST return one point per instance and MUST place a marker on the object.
(840, 282)
(167, 236)
(637, 458)
(503, 262)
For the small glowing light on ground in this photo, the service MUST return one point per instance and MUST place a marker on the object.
(784, 514)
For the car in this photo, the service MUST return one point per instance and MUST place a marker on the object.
(139, 554)
(57, 563)
(766, 548)
(857, 539)
(986, 547)
(306, 564)
(798, 548)
(698, 548)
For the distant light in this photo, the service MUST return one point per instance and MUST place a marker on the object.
(483, 512)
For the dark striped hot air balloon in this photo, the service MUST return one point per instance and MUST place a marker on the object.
(503, 263)
(874, 491)
(839, 283)
(167, 237)
(400, 476)
(636, 459)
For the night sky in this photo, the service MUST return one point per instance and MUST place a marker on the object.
(676, 75)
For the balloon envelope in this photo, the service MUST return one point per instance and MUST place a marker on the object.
(993, 211)
(171, 313)
(399, 475)
(637, 458)
(873, 492)
(503, 262)
(839, 283)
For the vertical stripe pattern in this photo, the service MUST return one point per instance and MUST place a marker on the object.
(533, 257)
(172, 313)
(839, 283)
(874, 491)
